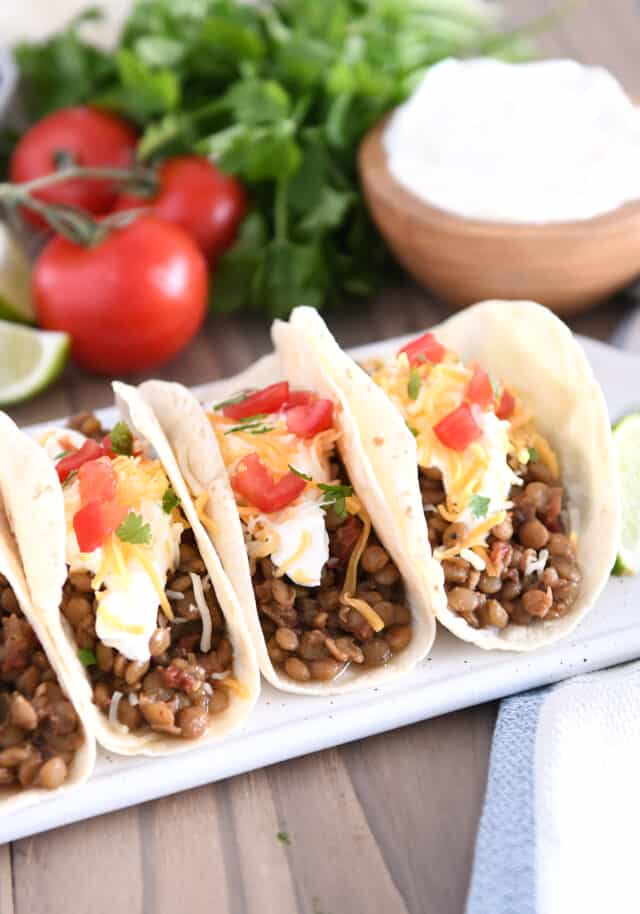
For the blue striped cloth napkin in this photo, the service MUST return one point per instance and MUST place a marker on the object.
(558, 831)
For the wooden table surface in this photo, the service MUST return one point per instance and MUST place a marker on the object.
(382, 825)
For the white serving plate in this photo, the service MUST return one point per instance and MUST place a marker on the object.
(456, 675)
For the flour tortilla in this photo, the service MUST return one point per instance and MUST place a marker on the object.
(52, 642)
(37, 509)
(536, 354)
(196, 449)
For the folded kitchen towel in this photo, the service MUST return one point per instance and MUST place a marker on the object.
(559, 829)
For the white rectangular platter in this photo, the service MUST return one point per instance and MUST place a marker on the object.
(456, 675)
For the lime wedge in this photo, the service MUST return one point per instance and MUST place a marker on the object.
(15, 280)
(30, 360)
(626, 439)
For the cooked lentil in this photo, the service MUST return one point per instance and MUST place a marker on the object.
(40, 731)
(510, 593)
(310, 634)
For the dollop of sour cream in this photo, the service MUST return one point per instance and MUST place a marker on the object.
(303, 541)
(549, 141)
(128, 608)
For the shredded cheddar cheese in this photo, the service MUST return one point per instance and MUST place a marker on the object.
(350, 578)
(305, 542)
(200, 506)
(110, 619)
(235, 686)
(139, 553)
(365, 610)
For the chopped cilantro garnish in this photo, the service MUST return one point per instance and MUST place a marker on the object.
(238, 398)
(300, 474)
(72, 475)
(533, 455)
(134, 530)
(335, 497)
(169, 500)
(252, 424)
(415, 382)
(283, 837)
(62, 454)
(479, 505)
(414, 431)
(121, 439)
(87, 657)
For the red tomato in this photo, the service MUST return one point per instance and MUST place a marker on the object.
(506, 405)
(268, 400)
(458, 429)
(299, 398)
(130, 302)
(106, 447)
(97, 481)
(479, 389)
(90, 450)
(424, 347)
(195, 194)
(97, 520)
(308, 421)
(254, 482)
(91, 138)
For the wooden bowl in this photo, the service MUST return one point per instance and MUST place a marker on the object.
(566, 266)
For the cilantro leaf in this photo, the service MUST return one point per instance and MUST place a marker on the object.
(414, 431)
(121, 439)
(62, 454)
(134, 530)
(300, 474)
(283, 837)
(281, 94)
(238, 398)
(169, 500)
(72, 475)
(335, 496)
(479, 505)
(252, 424)
(414, 385)
(533, 455)
(87, 657)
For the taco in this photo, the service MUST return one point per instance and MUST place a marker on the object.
(332, 598)
(46, 736)
(112, 543)
(508, 430)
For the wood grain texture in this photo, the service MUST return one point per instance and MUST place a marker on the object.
(382, 825)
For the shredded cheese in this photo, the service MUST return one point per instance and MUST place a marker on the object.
(364, 609)
(121, 565)
(238, 687)
(139, 553)
(116, 698)
(200, 504)
(305, 542)
(110, 619)
(203, 609)
(475, 538)
(351, 577)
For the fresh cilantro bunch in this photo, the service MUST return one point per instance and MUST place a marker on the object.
(278, 94)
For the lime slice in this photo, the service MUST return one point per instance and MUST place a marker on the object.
(626, 438)
(30, 360)
(15, 280)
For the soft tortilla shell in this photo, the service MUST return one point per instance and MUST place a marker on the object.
(537, 355)
(56, 649)
(39, 523)
(195, 446)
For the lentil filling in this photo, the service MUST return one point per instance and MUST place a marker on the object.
(40, 731)
(187, 680)
(311, 634)
(533, 571)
